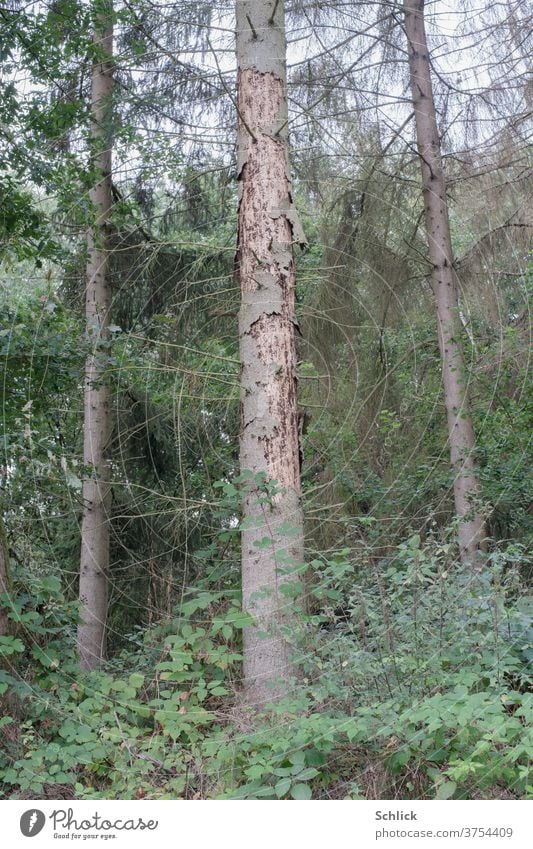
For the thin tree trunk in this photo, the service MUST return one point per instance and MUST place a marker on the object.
(94, 562)
(460, 430)
(272, 536)
(5, 580)
(9, 701)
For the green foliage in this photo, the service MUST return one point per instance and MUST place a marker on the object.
(449, 651)
(414, 680)
(24, 231)
(427, 680)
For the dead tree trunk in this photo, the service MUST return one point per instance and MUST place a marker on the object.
(268, 227)
(460, 429)
(94, 563)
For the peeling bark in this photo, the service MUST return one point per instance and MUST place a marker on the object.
(472, 531)
(94, 560)
(268, 228)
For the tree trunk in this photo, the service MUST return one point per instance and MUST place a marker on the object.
(5, 581)
(94, 562)
(268, 227)
(460, 430)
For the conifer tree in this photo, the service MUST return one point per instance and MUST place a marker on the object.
(444, 280)
(94, 563)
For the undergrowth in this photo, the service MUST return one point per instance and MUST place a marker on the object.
(414, 688)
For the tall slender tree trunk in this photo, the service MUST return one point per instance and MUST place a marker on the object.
(460, 430)
(5, 582)
(94, 563)
(268, 227)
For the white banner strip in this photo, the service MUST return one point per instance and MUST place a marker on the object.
(245, 824)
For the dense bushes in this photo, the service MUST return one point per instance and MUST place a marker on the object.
(415, 687)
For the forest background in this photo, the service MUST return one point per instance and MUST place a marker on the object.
(390, 654)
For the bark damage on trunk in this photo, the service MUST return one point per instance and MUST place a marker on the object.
(472, 531)
(94, 561)
(268, 228)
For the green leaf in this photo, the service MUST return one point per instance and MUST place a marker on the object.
(301, 792)
(239, 619)
(308, 773)
(446, 790)
(47, 658)
(282, 787)
(73, 480)
(251, 522)
(10, 645)
(264, 542)
(136, 680)
(315, 758)
(283, 771)
(288, 529)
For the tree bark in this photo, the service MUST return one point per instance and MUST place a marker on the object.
(471, 530)
(94, 561)
(5, 580)
(268, 227)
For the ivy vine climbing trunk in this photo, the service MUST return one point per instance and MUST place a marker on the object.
(268, 228)
(460, 429)
(94, 561)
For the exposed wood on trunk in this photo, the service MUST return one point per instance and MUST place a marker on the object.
(269, 440)
(94, 562)
(460, 429)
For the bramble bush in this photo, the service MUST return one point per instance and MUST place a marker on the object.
(414, 684)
